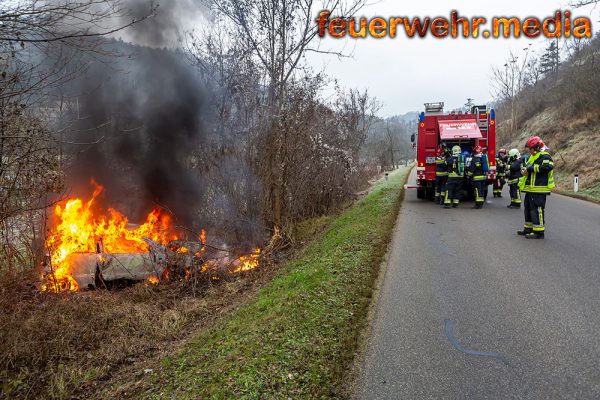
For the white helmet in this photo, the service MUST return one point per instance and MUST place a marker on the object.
(456, 150)
(514, 153)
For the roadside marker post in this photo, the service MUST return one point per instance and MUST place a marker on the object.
(576, 183)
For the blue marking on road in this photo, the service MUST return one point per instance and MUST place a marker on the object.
(449, 329)
(440, 243)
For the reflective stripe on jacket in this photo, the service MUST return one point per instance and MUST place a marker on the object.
(541, 174)
(478, 168)
(441, 166)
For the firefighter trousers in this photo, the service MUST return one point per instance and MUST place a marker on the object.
(535, 206)
(453, 188)
(515, 194)
(440, 186)
(499, 185)
(480, 187)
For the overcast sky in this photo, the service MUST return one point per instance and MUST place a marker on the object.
(405, 73)
(402, 73)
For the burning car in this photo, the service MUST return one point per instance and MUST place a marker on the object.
(89, 249)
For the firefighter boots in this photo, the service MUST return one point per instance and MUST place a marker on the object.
(534, 235)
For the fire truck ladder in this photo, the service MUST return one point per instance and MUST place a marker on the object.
(434, 108)
(483, 123)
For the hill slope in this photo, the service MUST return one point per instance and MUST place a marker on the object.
(562, 105)
(574, 143)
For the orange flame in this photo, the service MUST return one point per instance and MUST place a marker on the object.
(153, 280)
(80, 226)
(248, 262)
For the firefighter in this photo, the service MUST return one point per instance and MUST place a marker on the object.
(501, 167)
(441, 175)
(537, 182)
(456, 173)
(514, 174)
(478, 175)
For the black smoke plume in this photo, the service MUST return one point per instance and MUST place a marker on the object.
(139, 125)
(169, 24)
(140, 116)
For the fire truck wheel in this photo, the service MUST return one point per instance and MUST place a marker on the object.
(421, 193)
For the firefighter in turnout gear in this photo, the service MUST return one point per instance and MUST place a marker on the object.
(501, 169)
(441, 175)
(514, 175)
(478, 174)
(456, 173)
(537, 183)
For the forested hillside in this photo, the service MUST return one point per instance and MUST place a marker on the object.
(556, 95)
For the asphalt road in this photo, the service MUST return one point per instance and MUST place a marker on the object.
(470, 310)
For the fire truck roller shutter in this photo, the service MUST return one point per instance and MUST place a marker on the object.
(459, 129)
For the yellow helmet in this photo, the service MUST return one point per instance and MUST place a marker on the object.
(456, 150)
(514, 153)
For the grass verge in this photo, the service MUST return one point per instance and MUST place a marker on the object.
(297, 338)
(590, 192)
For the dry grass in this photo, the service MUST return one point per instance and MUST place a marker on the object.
(58, 346)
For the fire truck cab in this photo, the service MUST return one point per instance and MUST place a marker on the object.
(442, 129)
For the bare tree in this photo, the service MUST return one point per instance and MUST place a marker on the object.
(40, 39)
(319, 141)
(571, 87)
(35, 21)
(357, 111)
(278, 34)
(41, 43)
(509, 80)
(391, 143)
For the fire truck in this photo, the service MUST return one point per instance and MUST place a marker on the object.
(447, 129)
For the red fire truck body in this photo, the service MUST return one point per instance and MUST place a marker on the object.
(439, 129)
